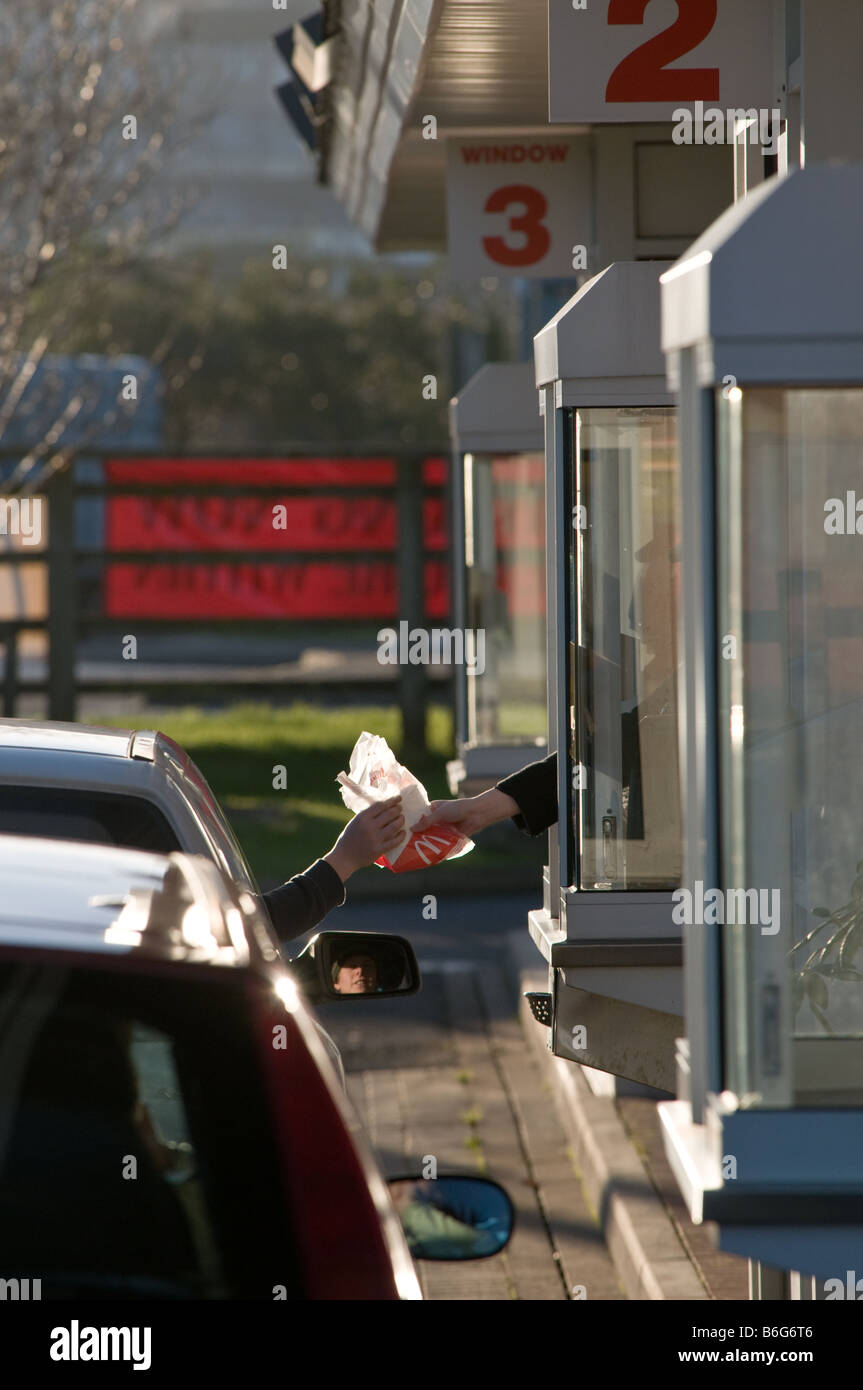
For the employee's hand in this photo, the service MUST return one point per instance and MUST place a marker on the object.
(470, 814)
(365, 838)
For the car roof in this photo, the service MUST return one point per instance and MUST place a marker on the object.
(68, 896)
(74, 738)
(142, 745)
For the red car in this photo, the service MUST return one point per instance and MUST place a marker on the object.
(172, 1125)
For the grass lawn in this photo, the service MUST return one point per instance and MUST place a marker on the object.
(282, 832)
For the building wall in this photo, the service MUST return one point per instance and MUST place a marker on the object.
(257, 179)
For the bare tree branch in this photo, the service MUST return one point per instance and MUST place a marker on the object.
(89, 117)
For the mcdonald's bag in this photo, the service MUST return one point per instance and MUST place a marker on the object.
(374, 775)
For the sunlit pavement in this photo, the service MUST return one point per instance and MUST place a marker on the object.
(448, 1075)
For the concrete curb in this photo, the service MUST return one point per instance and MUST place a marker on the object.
(639, 1233)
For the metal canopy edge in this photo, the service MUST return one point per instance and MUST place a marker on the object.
(497, 411)
(603, 347)
(464, 61)
(747, 297)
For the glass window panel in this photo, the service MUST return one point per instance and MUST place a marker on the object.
(190, 783)
(624, 582)
(105, 818)
(791, 589)
(98, 1158)
(505, 584)
(101, 1067)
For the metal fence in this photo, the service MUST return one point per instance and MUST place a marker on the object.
(71, 565)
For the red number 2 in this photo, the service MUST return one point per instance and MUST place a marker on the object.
(536, 235)
(642, 76)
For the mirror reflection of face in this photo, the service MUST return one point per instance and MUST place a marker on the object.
(356, 975)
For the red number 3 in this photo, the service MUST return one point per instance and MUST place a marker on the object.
(643, 75)
(536, 235)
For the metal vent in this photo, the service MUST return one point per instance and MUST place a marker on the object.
(540, 1006)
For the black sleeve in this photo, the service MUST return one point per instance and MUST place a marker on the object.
(304, 900)
(535, 790)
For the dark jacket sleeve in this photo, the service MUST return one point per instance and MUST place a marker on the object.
(535, 790)
(304, 900)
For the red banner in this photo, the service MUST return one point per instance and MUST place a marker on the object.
(295, 524)
(327, 520)
(309, 589)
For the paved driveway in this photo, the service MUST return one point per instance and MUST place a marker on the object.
(447, 1074)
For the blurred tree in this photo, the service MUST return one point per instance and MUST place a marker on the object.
(318, 352)
(87, 102)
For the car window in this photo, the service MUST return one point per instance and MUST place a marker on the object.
(224, 845)
(136, 1157)
(103, 818)
(190, 783)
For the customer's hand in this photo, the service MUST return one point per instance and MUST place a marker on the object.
(365, 838)
(470, 814)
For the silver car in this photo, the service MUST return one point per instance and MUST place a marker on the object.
(141, 790)
(136, 790)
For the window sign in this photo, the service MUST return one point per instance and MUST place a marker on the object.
(518, 206)
(632, 60)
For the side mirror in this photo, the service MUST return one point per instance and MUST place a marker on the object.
(356, 964)
(453, 1218)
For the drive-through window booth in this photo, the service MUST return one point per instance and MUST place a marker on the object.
(613, 578)
(762, 323)
(499, 578)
